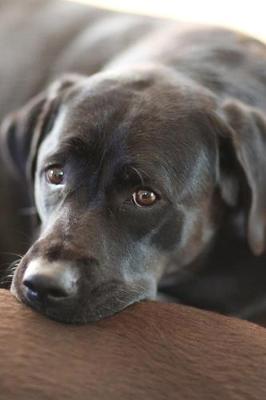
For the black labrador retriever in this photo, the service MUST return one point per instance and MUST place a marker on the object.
(143, 144)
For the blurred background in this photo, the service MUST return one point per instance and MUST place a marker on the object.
(247, 16)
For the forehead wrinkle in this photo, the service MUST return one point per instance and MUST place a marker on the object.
(76, 145)
(120, 155)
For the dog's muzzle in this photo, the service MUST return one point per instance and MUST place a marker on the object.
(49, 281)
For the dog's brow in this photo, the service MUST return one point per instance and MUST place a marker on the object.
(74, 145)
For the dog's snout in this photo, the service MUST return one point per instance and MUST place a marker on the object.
(46, 281)
(41, 286)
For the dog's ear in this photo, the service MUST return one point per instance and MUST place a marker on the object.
(22, 131)
(244, 136)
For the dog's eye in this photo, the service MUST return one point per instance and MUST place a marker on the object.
(54, 175)
(145, 198)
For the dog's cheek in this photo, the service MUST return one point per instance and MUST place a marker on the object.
(145, 263)
(168, 235)
(39, 200)
(197, 234)
(46, 199)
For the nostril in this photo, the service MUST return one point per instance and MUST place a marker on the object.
(29, 285)
(32, 293)
(42, 287)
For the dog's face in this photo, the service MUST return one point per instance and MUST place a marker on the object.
(126, 175)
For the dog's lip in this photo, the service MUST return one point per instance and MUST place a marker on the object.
(38, 303)
(107, 285)
(101, 311)
(103, 300)
(94, 311)
(36, 297)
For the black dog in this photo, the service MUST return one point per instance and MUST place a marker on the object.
(146, 161)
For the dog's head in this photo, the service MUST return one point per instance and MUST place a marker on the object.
(128, 171)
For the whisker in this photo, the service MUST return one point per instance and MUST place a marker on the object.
(9, 272)
(7, 253)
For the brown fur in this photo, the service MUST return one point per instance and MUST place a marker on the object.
(150, 351)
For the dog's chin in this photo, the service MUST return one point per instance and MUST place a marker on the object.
(93, 314)
(74, 314)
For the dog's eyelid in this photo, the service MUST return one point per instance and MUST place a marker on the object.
(139, 178)
(149, 188)
(53, 162)
(135, 177)
(133, 184)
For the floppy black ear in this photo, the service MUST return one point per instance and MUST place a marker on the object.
(22, 131)
(246, 132)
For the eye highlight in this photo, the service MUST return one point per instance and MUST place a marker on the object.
(145, 197)
(54, 174)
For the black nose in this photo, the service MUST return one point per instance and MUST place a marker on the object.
(41, 287)
(44, 281)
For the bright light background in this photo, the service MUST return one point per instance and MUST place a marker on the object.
(246, 15)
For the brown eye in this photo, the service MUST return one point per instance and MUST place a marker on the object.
(55, 175)
(144, 198)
